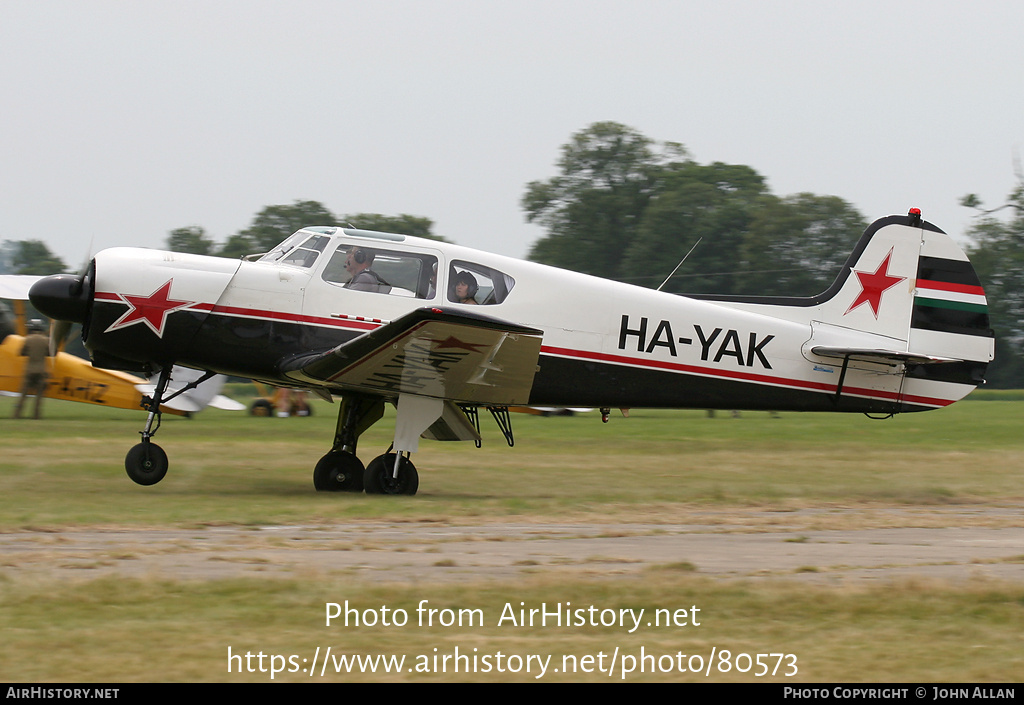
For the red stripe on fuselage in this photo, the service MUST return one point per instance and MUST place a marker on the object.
(352, 323)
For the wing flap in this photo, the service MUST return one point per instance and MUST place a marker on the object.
(452, 425)
(446, 354)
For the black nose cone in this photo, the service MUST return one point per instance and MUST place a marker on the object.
(63, 297)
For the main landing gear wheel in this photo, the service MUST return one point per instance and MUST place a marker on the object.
(338, 471)
(261, 407)
(146, 463)
(379, 476)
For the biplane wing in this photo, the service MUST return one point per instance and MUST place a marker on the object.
(16, 286)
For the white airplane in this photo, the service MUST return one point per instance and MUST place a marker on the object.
(441, 330)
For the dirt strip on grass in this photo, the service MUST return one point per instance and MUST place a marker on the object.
(832, 545)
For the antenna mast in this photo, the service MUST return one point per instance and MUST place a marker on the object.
(680, 263)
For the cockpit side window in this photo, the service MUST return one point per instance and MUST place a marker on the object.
(382, 271)
(472, 283)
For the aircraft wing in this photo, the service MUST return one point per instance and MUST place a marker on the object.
(459, 356)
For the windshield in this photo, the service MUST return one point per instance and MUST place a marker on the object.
(301, 250)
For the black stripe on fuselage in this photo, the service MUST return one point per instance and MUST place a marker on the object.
(244, 346)
(253, 347)
(568, 382)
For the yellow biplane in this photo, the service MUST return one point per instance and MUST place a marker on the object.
(74, 379)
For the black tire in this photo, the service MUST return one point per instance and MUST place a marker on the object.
(261, 407)
(146, 463)
(378, 477)
(338, 471)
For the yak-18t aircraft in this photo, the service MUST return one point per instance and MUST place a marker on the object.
(441, 330)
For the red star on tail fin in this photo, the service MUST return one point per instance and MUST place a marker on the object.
(873, 285)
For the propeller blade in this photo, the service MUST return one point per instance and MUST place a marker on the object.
(59, 331)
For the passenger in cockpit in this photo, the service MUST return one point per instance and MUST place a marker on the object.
(465, 288)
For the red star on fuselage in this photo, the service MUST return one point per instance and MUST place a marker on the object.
(873, 285)
(151, 310)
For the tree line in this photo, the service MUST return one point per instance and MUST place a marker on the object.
(625, 207)
(274, 223)
(269, 227)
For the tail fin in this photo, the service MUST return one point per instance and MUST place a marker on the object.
(909, 281)
(907, 314)
(912, 288)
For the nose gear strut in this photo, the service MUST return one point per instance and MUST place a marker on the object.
(146, 463)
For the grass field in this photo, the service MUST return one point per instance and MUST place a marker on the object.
(65, 473)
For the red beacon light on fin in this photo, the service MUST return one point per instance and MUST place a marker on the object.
(914, 214)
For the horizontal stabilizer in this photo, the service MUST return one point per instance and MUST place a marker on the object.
(890, 357)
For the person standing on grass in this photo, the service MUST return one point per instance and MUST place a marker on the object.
(36, 348)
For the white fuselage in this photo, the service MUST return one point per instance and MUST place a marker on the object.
(622, 345)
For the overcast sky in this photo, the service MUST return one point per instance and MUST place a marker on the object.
(122, 120)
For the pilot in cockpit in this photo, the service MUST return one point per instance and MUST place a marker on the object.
(358, 263)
